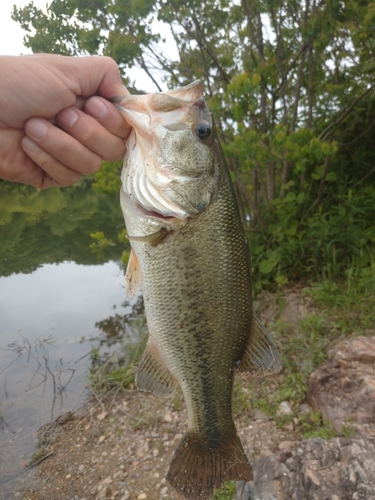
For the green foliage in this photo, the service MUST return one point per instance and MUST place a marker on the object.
(120, 347)
(51, 226)
(100, 243)
(335, 241)
(313, 426)
(241, 404)
(226, 492)
(107, 179)
(291, 86)
(341, 308)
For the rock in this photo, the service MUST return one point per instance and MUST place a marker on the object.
(338, 469)
(102, 415)
(259, 415)
(289, 426)
(343, 388)
(284, 408)
(142, 496)
(101, 439)
(305, 408)
(288, 444)
(168, 417)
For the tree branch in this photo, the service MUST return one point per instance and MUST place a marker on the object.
(324, 134)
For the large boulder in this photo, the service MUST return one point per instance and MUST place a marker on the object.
(343, 388)
(338, 469)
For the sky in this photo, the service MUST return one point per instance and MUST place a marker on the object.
(11, 39)
(11, 34)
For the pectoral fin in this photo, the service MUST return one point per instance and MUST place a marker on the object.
(152, 374)
(133, 277)
(261, 356)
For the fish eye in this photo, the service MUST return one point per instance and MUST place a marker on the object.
(203, 131)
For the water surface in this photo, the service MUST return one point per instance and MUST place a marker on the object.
(58, 300)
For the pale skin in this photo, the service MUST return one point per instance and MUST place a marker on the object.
(56, 123)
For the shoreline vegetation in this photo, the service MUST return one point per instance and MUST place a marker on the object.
(291, 88)
(125, 438)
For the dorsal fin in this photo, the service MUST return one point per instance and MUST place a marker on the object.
(261, 356)
(133, 277)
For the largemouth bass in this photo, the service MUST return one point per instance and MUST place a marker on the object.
(191, 260)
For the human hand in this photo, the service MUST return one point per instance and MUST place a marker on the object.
(55, 121)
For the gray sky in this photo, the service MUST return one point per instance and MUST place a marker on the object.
(11, 34)
(11, 40)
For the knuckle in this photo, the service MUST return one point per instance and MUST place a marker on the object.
(110, 62)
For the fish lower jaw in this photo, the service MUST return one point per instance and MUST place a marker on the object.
(160, 216)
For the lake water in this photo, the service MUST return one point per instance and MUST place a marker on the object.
(58, 301)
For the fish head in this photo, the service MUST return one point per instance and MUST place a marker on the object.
(171, 166)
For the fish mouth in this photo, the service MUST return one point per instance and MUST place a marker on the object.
(161, 182)
(158, 215)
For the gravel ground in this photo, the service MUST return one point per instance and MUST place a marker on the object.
(121, 448)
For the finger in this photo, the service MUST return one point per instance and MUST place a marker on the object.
(15, 165)
(91, 134)
(108, 116)
(62, 147)
(53, 173)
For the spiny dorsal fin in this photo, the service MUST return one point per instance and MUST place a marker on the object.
(261, 356)
(152, 374)
(133, 277)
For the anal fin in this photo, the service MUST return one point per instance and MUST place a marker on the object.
(133, 277)
(261, 356)
(152, 374)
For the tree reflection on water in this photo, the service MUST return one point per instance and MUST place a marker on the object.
(52, 226)
(121, 345)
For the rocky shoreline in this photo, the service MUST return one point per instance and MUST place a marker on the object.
(119, 448)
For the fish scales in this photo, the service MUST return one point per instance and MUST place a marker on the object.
(191, 259)
(208, 316)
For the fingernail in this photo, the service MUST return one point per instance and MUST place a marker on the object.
(96, 108)
(29, 145)
(67, 118)
(36, 128)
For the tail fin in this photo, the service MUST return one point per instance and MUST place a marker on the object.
(196, 469)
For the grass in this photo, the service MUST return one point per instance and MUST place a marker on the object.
(341, 309)
(115, 372)
(226, 492)
(113, 361)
